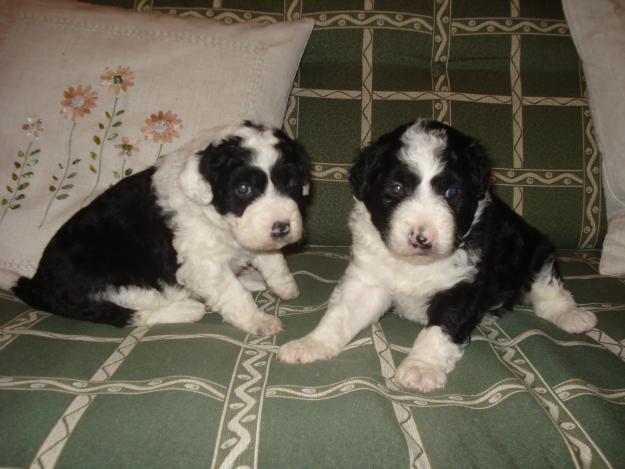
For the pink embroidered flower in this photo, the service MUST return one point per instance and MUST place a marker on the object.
(118, 80)
(33, 128)
(127, 148)
(78, 102)
(162, 127)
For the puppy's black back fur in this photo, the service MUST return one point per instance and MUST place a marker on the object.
(120, 239)
(512, 254)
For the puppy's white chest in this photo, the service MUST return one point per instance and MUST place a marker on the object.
(410, 297)
(411, 307)
(411, 286)
(405, 278)
(197, 238)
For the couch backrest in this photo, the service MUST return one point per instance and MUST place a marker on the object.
(506, 72)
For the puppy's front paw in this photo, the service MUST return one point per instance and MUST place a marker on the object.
(286, 290)
(304, 350)
(577, 321)
(414, 375)
(263, 325)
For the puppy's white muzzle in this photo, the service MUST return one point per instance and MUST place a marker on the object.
(422, 230)
(270, 222)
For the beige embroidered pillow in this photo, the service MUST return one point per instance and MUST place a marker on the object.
(90, 95)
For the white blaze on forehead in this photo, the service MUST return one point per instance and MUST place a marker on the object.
(421, 151)
(263, 145)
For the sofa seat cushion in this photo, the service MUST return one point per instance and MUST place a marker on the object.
(76, 393)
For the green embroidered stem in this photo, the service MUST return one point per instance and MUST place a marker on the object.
(17, 183)
(60, 184)
(103, 141)
(158, 155)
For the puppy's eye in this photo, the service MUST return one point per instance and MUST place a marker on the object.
(395, 188)
(243, 189)
(451, 192)
(292, 184)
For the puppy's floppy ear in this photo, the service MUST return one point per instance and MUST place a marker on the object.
(303, 167)
(193, 184)
(296, 153)
(479, 163)
(367, 162)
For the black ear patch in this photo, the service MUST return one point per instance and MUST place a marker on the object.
(479, 163)
(219, 158)
(291, 173)
(367, 162)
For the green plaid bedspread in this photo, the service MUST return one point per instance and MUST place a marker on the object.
(526, 394)
(505, 71)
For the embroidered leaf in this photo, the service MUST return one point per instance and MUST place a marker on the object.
(29, 174)
(32, 162)
(117, 124)
(21, 154)
(20, 196)
(116, 174)
(23, 186)
(55, 178)
(101, 125)
(34, 152)
(67, 186)
(60, 166)
(97, 140)
(72, 175)
(51, 188)
(76, 161)
(62, 196)
(128, 172)
(94, 156)
(92, 169)
(107, 114)
(10, 189)
(14, 206)
(14, 177)
(112, 136)
(120, 112)
(17, 165)
(5, 201)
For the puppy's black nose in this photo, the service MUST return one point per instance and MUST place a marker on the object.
(280, 229)
(423, 242)
(419, 240)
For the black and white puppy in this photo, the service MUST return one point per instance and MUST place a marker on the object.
(432, 241)
(164, 243)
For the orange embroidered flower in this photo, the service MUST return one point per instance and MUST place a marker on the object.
(162, 127)
(33, 128)
(78, 102)
(127, 148)
(118, 80)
